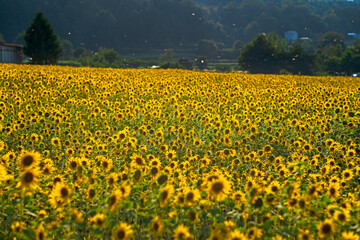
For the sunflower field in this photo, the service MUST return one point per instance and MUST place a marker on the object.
(91, 153)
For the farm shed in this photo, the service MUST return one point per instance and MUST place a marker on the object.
(10, 53)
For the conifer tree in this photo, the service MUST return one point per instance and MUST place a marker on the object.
(41, 42)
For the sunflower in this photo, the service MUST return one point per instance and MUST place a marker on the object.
(56, 142)
(42, 214)
(105, 163)
(73, 163)
(342, 216)
(29, 178)
(238, 197)
(326, 228)
(77, 216)
(218, 189)
(60, 196)
(17, 227)
(58, 179)
(274, 187)
(334, 190)
(28, 159)
(137, 161)
(90, 193)
(112, 179)
(347, 174)
(171, 154)
(98, 220)
(348, 235)
(181, 232)
(154, 171)
(4, 176)
(192, 196)
(165, 194)
(157, 226)
(125, 190)
(40, 232)
(114, 199)
(236, 235)
(122, 231)
(305, 235)
(254, 233)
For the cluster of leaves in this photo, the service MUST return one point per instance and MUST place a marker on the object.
(268, 54)
(174, 154)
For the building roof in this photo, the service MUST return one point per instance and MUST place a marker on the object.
(10, 44)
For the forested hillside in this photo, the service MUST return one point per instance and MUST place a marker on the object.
(157, 24)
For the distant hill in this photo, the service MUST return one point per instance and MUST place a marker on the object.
(159, 24)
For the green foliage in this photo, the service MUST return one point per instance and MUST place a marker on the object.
(185, 63)
(201, 62)
(67, 49)
(222, 68)
(267, 54)
(41, 42)
(208, 48)
(167, 56)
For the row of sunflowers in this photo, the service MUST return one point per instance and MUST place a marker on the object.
(91, 153)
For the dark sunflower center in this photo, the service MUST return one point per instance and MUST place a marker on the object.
(305, 237)
(111, 181)
(156, 226)
(27, 160)
(181, 235)
(73, 165)
(274, 188)
(91, 193)
(41, 235)
(29, 177)
(112, 200)
(139, 161)
(332, 191)
(64, 192)
(164, 195)
(341, 217)
(217, 187)
(154, 171)
(99, 222)
(326, 228)
(105, 164)
(190, 197)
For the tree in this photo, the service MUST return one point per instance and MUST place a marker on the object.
(208, 48)
(259, 55)
(67, 49)
(201, 62)
(167, 56)
(185, 63)
(41, 42)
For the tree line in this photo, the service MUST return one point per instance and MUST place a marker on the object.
(266, 53)
(177, 24)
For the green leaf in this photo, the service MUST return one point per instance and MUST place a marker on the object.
(29, 233)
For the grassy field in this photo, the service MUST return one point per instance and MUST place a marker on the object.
(95, 153)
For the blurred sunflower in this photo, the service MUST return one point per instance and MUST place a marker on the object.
(165, 194)
(218, 189)
(122, 231)
(349, 235)
(157, 226)
(28, 159)
(29, 178)
(326, 228)
(181, 233)
(99, 220)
